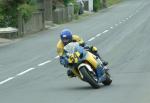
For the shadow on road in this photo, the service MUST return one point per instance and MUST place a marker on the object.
(78, 88)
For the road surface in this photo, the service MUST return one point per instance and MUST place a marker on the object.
(30, 70)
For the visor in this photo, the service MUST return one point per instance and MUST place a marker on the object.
(66, 40)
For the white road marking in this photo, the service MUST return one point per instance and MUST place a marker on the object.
(98, 34)
(111, 27)
(124, 20)
(91, 39)
(57, 57)
(105, 31)
(116, 24)
(130, 16)
(137, 11)
(41, 64)
(4, 81)
(25, 71)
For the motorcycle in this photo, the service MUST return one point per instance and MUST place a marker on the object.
(83, 64)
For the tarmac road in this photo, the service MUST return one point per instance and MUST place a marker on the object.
(30, 71)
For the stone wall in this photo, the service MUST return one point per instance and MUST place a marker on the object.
(63, 14)
(35, 24)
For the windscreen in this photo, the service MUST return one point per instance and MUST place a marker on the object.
(71, 48)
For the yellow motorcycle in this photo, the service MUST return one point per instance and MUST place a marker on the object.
(83, 64)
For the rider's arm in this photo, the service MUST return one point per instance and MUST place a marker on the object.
(79, 40)
(60, 48)
(64, 61)
(83, 44)
(60, 51)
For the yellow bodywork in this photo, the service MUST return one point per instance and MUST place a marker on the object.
(60, 45)
(91, 60)
(74, 58)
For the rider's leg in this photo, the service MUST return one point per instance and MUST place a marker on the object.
(97, 55)
(100, 74)
(94, 51)
(70, 74)
(99, 70)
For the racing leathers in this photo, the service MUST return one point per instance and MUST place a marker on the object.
(75, 38)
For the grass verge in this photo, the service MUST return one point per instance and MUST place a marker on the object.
(112, 2)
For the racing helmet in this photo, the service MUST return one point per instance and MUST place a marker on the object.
(66, 36)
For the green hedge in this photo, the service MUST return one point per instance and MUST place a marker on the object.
(26, 11)
(96, 5)
(112, 2)
(68, 1)
(76, 6)
(10, 9)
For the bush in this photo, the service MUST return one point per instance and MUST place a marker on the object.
(5, 18)
(112, 2)
(10, 9)
(76, 8)
(68, 1)
(1, 16)
(96, 5)
(26, 10)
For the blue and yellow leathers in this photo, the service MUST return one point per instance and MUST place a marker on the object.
(90, 58)
(60, 45)
(79, 56)
(76, 38)
(86, 56)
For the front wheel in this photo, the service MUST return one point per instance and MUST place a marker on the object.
(88, 77)
(108, 80)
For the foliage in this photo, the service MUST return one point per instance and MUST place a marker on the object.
(26, 10)
(68, 1)
(111, 2)
(76, 8)
(10, 9)
(96, 5)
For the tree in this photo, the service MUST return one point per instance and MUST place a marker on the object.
(96, 5)
(10, 9)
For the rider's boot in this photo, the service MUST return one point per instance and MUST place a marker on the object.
(100, 73)
(105, 63)
(70, 74)
(94, 51)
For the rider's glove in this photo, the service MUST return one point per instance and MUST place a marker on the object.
(93, 49)
(82, 44)
(87, 47)
(63, 61)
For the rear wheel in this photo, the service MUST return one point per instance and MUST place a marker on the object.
(88, 77)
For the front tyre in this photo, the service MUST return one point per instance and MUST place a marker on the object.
(88, 77)
(108, 80)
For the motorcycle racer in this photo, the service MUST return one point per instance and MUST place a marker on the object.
(66, 36)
